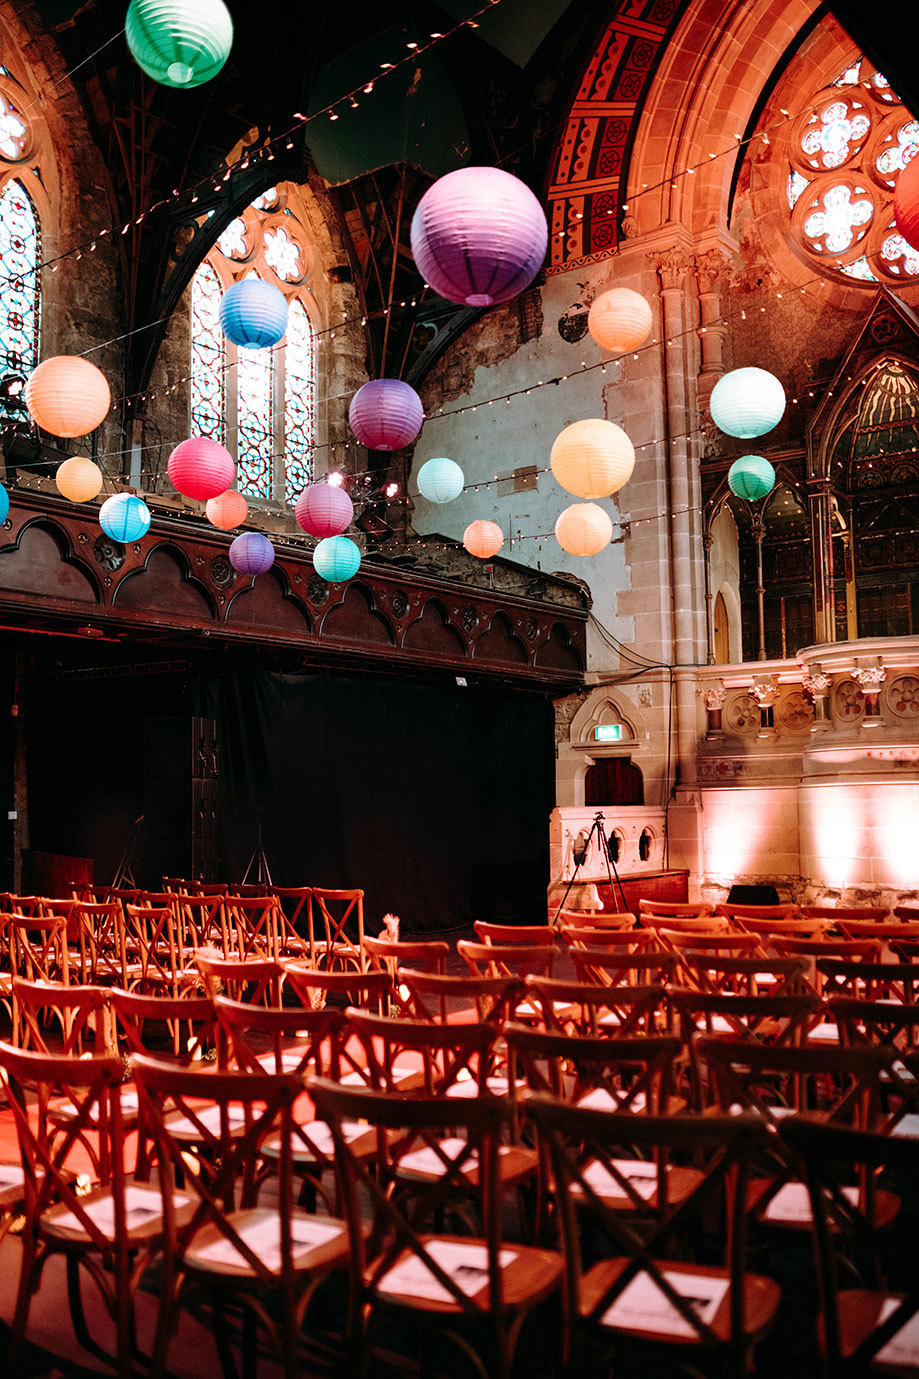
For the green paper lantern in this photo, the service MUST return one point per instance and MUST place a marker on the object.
(179, 43)
(751, 477)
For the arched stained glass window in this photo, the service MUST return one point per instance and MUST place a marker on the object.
(259, 403)
(20, 299)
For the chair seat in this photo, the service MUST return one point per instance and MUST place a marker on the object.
(532, 1010)
(860, 1312)
(184, 1128)
(423, 1165)
(144, 1214)
(641, 1176)
(405, 1079)
(643, 1310)
(826, 1032)
(12, 1180)
(790, 1208)
(317, 1243)
(321, 1146)
(528, 1275)
(495, 1086)
(64, 1111)
(601, 1099)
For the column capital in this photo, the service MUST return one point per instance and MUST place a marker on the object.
(672, 267)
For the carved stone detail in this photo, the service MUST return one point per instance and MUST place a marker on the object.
(743, 714)
(848, 701)
(672, 267)
(222, 572)
(109, 554)
(399, 603)
(765, 691)
(902, 697)
(795, 712)
(713, 696)
(470, 618)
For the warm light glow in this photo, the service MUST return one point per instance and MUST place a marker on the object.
(335, 479)
(392, 490)
(895, 817)
(837, 815)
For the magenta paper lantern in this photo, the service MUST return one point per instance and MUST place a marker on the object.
(251, 553)
(324, 510)
(201, 468)
(479, 236)
(386, 414)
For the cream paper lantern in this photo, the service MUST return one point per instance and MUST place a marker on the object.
(620, 320)
(592, 458)
(79, 479)
(584, 529)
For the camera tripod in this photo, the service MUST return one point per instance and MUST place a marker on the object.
(581, 849)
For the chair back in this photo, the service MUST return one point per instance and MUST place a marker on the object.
(618, 1074)
(154, 939)
(286, 1039)
(204, 924)
(491, 1000)
(388, 955)
(707, 924)
(671, 909)
(345, 988)
(877, 914)
(80, 1014)
(508, 959)
(149, 1024)
(594, 919)
(444, 1055)
(744, 976)
(342, 915)
(873, 981)
(536, 935)
(768, 912)
(590, 1009)
(256, 980)
(100, 926)
(38, 948)
(598, 966)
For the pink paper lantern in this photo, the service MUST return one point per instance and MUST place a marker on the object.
(483, 539)
(324, 510)
(227, 510)
(386, 414)
(201, 468)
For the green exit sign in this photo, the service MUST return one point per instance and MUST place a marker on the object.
(608, 732)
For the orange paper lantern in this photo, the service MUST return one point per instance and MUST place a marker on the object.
(620, 320)
(228, 510)
(67, 396)
(584, 529)
(483, 539)
(78, 479)
(592, 458)
(906, 203)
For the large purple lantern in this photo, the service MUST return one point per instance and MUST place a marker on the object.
(386, 414)
(479, 236)
(251, 553)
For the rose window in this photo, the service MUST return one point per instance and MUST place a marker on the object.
(283, 255)
(14, 131)
(842, 218)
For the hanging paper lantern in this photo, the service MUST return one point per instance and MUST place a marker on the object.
(751, 477)
(227, 510)
(324, 510)
(906, 203)
(4, 504)
(592, 458)
(440, 480)
(583, 529)
(620, 320)
(251, 553)
(479, 236)
(336, 559)
(253, 314)
(201, 468)
(385, 414)
(483, 539)
(747, 402)
(179, 43)
(79, 479)
(67, 395)
(124, 517)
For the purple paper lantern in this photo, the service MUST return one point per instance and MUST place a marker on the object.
(479, 236)
(251, 553)
(324, 510)
(386, 414)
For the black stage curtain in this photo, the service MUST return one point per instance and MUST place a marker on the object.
(434, 799)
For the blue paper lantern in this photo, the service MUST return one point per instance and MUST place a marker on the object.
(336, 559)
(747, 403)
(751, 477)
(251, 553)
(4, 504)
(124, 517)
(440, 480)
(253, 314)
(179, 43)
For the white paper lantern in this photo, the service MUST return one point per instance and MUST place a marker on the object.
(592, 458)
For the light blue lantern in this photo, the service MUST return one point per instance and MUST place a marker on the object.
(440, 480)
(179, 43)
(253, 314)
(336, 559)
(4, 504)
(747, 402)
(751, 477)
(124, 517)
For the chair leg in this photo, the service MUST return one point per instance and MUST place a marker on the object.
(23, 1303)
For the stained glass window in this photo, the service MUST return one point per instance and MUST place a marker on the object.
(208, 363)
(20, 300)
(259, 403)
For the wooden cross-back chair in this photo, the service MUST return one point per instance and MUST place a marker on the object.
(876, 914)
(256, 980)
(837, 1085)
(795, 926)
(536, 935)
(862, 1329)
(486, 1000)
(598, 966)
(260, 928)
(895, 1027)
(743, 976)
(623, 940)
(674, 909)
(234, 1246)
(611, 920)
(161, 963)
(114, 1231)
(725, 943)
(80, 1016)
(468, 1289)
(886, 932)
(425, 955)
(508, 959)
(586, 1008)
(634, 1290)
(38, 948)
(635, 1075)
(707, 924)
(856, 950)
(342, 915)
(203, 923)
(757, 912)
(156, 1024)
(295, 902)
(409, 1056)
(874, 981)
(343, 988)
(100, 928)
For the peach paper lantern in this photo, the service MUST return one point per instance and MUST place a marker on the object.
(483, 539)
(227, 510)
(620, 320)
(67, 395)
(78, 479)
(592, 458)
(906, 203)
(584, 529)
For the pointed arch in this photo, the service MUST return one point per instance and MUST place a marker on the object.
(20, 301)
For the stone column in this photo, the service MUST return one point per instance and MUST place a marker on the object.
(819, 499)
(765, 692)
(816, 687)
(713, 696)
(869, 680)
(710, 270)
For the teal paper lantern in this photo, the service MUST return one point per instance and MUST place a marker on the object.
(124, 517)
(747, 403)
(4, 504)
(440, 480)
(180, 43)
(751, 477)
(336, 559)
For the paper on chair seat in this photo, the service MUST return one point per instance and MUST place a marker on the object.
(467, 1266)
(263, 1236)
(903, 1346)
(497, 1085)
(640, 1175)
(142, 1205)
(602, 1100)
(427, 1160)
(209, 1118)
(792, 1203)
(907, 1127)
(320, 1135)
(641, 1306)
